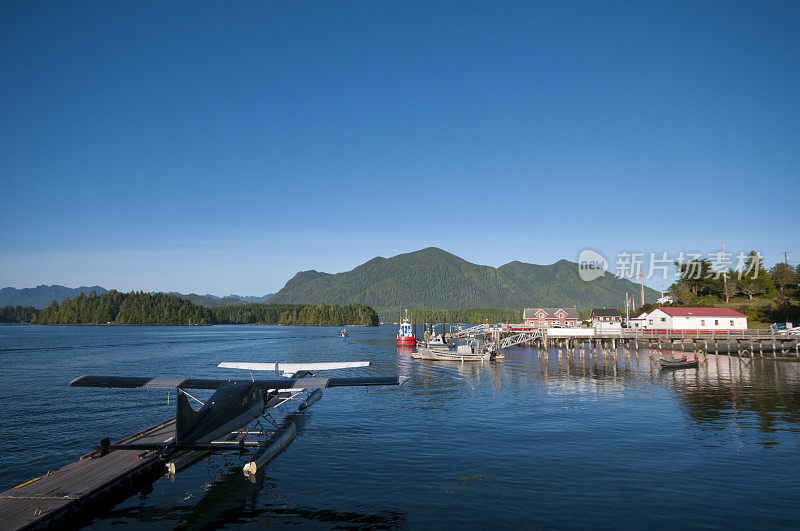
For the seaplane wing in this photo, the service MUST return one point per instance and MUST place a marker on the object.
(288, 369)
(160, 382)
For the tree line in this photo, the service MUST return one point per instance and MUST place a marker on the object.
(139, 308)
(467, 316)
(701, 283)
(295, 314)
(17, 314)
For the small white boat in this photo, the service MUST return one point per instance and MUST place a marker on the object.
(343, 333)
(470, 352)
(438, 341)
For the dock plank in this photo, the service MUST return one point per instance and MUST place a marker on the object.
(32, 504)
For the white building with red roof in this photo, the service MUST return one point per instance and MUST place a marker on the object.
(682, 318)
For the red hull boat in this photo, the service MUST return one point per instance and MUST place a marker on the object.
(405, 336)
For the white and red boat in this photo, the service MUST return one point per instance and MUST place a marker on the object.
(405, 336)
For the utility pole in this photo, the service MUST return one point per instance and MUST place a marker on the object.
(641, 276)
(725, 275)
(786, 257)
(627, 312)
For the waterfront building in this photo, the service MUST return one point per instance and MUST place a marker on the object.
(550, 317)
(684, 318)
(605, 319)
(637, 323)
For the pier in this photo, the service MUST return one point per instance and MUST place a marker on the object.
(74, 492)
(746, 343)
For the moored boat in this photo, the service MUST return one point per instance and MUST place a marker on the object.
(343, 333)
(471, 352)
(680, 363)
(438, 341)
(405, 336)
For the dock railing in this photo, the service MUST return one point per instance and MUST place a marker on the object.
(754, 333)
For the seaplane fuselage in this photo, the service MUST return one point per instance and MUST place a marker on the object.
(233, 405)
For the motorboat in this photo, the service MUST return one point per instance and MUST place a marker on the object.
(474, 351)
(405, 336)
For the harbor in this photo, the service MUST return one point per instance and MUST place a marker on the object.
(642, 428)
(76, 492)
(745, 343)
(400, 265)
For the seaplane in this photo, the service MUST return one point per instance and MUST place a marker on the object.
(230, 419)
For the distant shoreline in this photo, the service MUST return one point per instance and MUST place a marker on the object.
(188, 325)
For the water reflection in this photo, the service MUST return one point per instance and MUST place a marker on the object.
(764, 393)
(722, 388)
(232, 499)
(520, 442)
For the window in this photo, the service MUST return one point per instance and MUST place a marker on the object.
(716, 322)
(663, 319)
(649, 321)
(731, 322)
(702, 322)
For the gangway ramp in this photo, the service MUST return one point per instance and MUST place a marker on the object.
(466, 332)
(521, 337)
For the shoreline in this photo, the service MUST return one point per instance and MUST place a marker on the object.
(188, 325)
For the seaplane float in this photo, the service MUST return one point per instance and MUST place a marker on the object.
(231, 419)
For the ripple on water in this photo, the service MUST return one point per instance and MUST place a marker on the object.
(524, 441)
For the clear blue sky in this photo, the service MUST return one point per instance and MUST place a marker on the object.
(223, 146)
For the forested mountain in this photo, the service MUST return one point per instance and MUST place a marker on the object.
(43, 295)
(469, 315)
(435, 279)
(161, 309)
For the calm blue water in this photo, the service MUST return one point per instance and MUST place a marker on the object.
(516, 442)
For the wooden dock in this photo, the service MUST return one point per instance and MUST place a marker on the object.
(75, 492)
(748, 343)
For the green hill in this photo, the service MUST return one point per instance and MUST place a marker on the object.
(435, 279)
(43, 295)
(161, 309)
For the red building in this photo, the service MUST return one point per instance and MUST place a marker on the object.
(550, 317)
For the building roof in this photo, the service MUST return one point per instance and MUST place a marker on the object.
(674, 311)
(530, 313)
(642, 317)
(605, 312)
